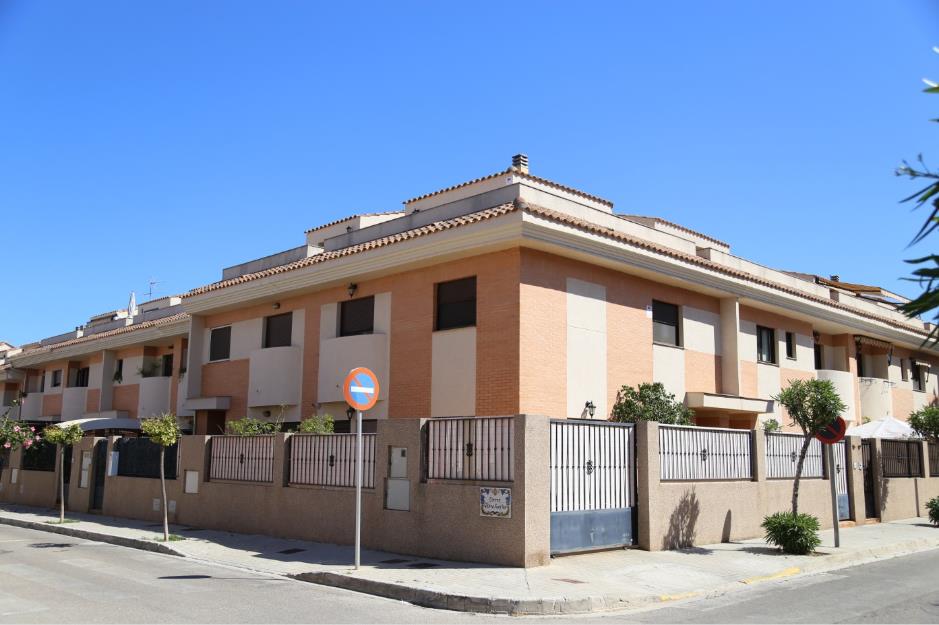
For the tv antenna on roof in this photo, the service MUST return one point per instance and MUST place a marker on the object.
(152, 284)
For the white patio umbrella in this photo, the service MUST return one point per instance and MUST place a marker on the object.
(887, 427)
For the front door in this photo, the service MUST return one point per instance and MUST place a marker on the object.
(592, 485)
(99, 467)
(867, 453)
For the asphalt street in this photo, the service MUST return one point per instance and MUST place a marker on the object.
(49, 578)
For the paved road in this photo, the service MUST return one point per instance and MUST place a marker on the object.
(51, 578)
(900, 590)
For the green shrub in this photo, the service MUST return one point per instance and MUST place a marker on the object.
(771, 425)
(925, 422)
(796, 534)
(933, 506)
(649, 402)
(318, 424)
(248, 426)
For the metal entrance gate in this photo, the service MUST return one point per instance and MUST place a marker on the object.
(867, 454)
(592, 467)
(841, 481)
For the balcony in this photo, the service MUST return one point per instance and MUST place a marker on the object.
(32, 407)
(74, 402)
(843, 382)
(274, 376)
(876, 398)
(338, 356)
(154, 398)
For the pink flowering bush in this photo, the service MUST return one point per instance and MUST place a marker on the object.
(14, 434)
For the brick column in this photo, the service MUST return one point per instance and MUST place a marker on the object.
(648, 476)
(281, 472)
(758, 455)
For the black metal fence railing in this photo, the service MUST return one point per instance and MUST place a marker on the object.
(901, 458)
(469, 448)
(140, 457)
(242, 458)
(39, 457)
(329, 459)
(934, 459)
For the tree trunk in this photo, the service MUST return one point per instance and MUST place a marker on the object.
(62, 484)
(166, 517)
(799, 465)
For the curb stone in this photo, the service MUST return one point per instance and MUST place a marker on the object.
(498, 605)
(593, 604)
(122, 541)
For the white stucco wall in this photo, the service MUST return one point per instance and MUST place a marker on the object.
(154, 397)
(843, 382)
(701, 330)
(274, 376)
(876, 398)
(453, 375)
(668, 367)
(73, 402)
(586, 348)
(746, 344)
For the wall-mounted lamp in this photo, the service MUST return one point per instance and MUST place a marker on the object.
(350, 412)
(352, 288)
(591, 408)
(276, 306)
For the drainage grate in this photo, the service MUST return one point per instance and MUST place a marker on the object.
(394, 561)
(291, 550)
(422, 565)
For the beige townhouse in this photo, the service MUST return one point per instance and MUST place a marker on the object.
(514, 294)
(505, 294)
(117, 367)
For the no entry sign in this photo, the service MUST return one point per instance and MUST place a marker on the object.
(833, 432)
(361, 388)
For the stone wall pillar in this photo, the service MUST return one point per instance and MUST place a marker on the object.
(648, 476)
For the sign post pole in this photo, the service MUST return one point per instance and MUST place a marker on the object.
(358, 492)
(360, 390)
(834, 493)
(829, 435)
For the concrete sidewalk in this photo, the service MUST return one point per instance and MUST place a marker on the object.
(609, 580)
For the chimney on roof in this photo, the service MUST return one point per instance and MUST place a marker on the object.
(835, 278)
(520, 162)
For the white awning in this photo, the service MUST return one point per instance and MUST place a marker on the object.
(88, 425)
(882, 428)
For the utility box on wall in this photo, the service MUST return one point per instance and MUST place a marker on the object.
(397, 486)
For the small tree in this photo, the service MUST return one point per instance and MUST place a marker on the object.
(925, 422)
(164, 431)
(770, 425)
(63, 437)
(318, 424)
(649, 402)
(812, 404)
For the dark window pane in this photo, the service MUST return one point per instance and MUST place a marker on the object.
(277, 330)
(917, 378)
(57, 378)
(220, 343)
(456, 304)
(357, 316)
(790, 345)
(81, 377)
(818, 356)
(167, 365)
(665, 323)
(766, 344)
(904, 376)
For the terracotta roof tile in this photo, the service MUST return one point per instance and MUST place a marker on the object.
(361, 247)
(108, 334)
(558, 217)
(514, 172)
(350, 218)
(678, 227)
(703, 262)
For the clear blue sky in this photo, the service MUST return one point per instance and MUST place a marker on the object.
(170, 139)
